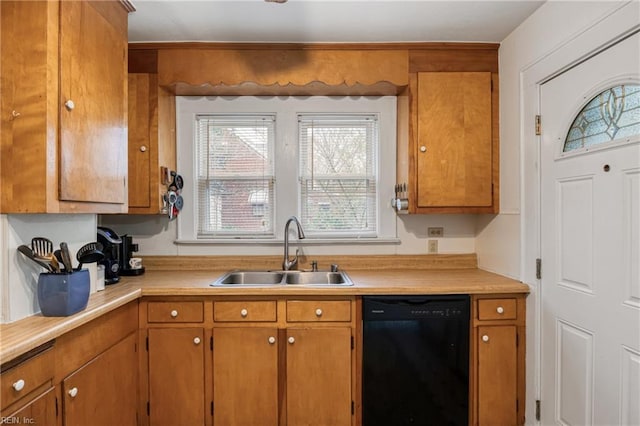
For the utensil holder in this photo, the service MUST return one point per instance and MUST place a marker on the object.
(61, 295)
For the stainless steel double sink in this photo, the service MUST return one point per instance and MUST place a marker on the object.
(274, 278)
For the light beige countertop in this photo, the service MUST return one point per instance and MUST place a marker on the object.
(18, 337)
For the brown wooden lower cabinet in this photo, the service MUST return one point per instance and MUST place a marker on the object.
(176, 376)
(39, 411)
(498, 360)
(319, 376)
(245, 376)
(257, 363)
(104, 391)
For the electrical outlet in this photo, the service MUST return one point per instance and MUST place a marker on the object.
(432, 246)
(435, 232)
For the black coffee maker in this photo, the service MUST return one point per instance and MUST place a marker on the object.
(111, 243)
(127, 248)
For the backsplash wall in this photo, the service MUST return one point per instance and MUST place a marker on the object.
(18, 275)
(155, 235)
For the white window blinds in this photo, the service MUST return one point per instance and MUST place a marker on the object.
(235, 175)
(338, 174)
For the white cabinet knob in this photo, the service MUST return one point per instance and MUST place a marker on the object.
(318, 312)
(272, 340)
(73, 392)
(174, 313)
(423, 148)
(485, 338)
(143, 148)
(70, 105)
(19, 385)
(500, 310)
(291, 340)
(244, 313)
(196, 341)
(15, 114)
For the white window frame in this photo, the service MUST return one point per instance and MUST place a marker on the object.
(286, 158)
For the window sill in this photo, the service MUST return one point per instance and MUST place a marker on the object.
(297, 242)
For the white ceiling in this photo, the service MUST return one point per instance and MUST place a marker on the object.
(308, 21)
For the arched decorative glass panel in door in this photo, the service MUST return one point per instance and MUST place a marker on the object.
(611, 115)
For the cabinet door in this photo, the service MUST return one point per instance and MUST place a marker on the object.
(318, 376)
(454, 144)
(497, 375)
(40, 411)
(245, 376)
(176, 379)
(140, 149)
(93, 76)
(104, 391)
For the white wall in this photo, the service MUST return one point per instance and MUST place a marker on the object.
(155, 235)
(554, 26)
(499, 240)
(18, 275)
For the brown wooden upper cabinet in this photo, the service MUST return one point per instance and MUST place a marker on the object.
(448, 138)
(150, 146)
(453, 152)
(64, 106)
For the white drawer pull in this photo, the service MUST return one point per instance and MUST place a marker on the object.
(272, 340)
(19, 385)
(318, 312)
(485, 338)
(292, 340)
(73, 392)
(174, 313)
(196, 340)
(500, 310)
(244, 313)
(70, 105)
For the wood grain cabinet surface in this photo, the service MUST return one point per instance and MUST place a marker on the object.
(454, 146)
(249, 363)
(150, 146)
(64, 107)
(450, 158)
(498, 360)
(27, 390)
(104, 391)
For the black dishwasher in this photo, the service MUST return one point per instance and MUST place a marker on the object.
(415, 360)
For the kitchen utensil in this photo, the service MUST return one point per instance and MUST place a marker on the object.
(58, 255)
(25, 250)
(43, 249)
(66, 257)
(89, 253)
(41, 246)
(177, 181)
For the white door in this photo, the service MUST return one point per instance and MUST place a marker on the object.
(590, 243)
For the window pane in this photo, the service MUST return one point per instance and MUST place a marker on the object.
(338, 174)
(613, 114)
(235, 175)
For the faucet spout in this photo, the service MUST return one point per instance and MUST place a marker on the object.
(287, 263)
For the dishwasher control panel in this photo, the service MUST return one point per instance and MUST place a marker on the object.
(384, 308)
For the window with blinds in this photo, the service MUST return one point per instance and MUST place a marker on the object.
(235, 175)
(338, 168)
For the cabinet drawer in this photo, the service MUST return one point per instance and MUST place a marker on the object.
(175, 312)
(18, 381)
(250, 311)
(318, 310)
(497, 309)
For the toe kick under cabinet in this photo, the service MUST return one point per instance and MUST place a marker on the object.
(249, 360)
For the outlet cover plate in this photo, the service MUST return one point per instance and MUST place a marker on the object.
(435, 232)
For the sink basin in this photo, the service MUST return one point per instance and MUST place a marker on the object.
(251, 277)
(272, 278)
(317, 278)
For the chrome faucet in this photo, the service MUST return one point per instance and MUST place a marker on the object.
(287, 263)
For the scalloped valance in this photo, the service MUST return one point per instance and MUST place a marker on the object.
(283, 72)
